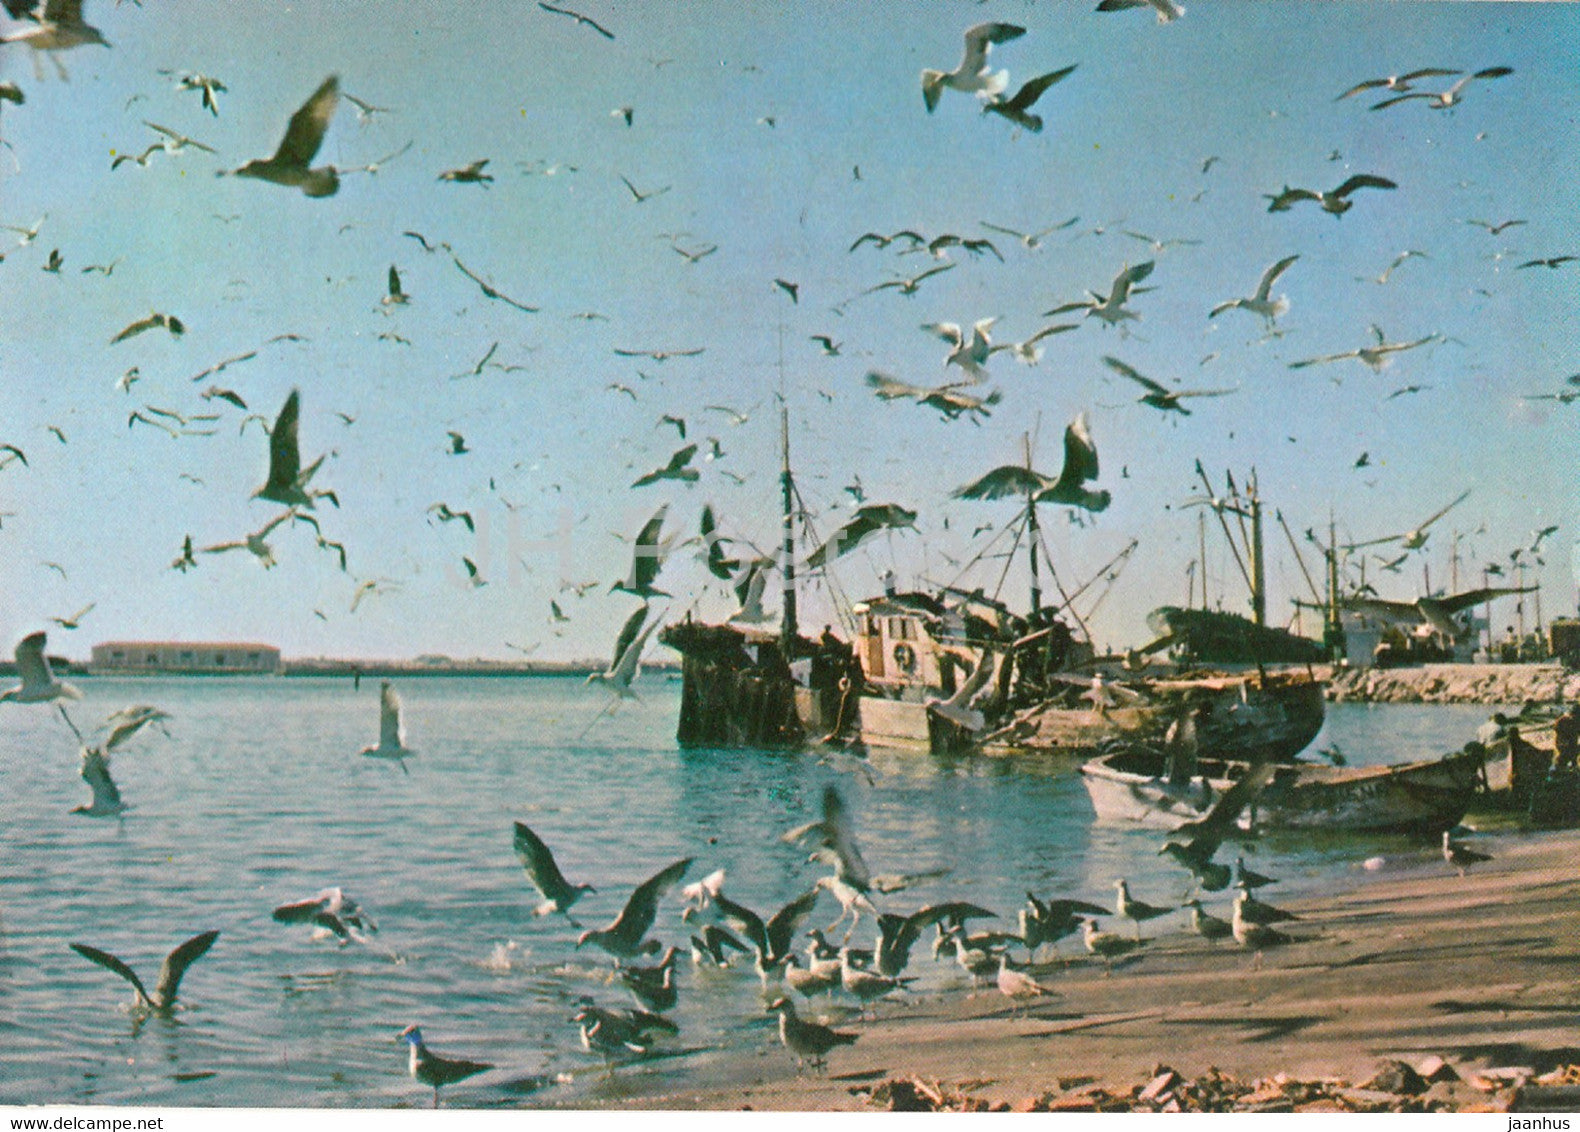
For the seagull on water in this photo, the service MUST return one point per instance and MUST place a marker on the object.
(623, 937)
(1261, 301)
(290, 164)
(332, 912)
(557, 892)
(428, 1068)
(392, 728)
(811, 1042)
(772, 940)
(653, 987)
(1461, 856)
(163, 999)
(972, 75)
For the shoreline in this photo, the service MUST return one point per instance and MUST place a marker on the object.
(1407, 965)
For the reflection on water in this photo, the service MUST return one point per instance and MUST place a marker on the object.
(258, 798)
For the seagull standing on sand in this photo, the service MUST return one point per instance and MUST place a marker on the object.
(392, 728)
(1206, 925)
(971, 75)
(809, 1041)
(1250, 933)
(1106, 945)
(163, 999)
(428, 1068)
(1136, 911)
(1461, 856)
(557, 892)
(1017, 985)
(290, 164)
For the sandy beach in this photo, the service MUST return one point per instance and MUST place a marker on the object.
(1411, 963)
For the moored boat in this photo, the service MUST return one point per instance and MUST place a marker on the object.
(1133, 787)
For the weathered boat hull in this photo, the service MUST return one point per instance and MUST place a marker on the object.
(1247, 717)
(1427, 796)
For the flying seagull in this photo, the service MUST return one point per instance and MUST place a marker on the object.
(908, 286)
(1158, 396)
(287, 481)
(1167, 10)
(39, 685)
(1451, 97)
(290, 165)
(867, 521)
(1261, 302)
(255, 543)
(73, 621)
(1337, 201)
(647, 557)
(1376, 356)
(639, 196)
(1080, 465)
(947, 399)
(971, 352)
(660, 355)
(209, 88)
(163, 1000)
(626, 659)
(558, 893)
(167, 321)
(971, 75)
(585, 21)
(59, 27)
(331, 911)
(488, 290)
(1437, 612)
(392, 728)
(96, 773)
(471, 174)
(1111, 309)
(1397, 83)
(1017, 108)
(428, 1068)
(623, 937)
(678, 468)
(1416, 538)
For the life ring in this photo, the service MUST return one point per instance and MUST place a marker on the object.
(905, 657)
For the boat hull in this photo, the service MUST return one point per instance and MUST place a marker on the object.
(1428, 796)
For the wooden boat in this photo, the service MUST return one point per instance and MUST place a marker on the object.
(1131, 787)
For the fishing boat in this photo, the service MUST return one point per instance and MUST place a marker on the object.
(1133, 786)
(952, 670)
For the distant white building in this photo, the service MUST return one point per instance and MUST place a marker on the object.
(197, 657)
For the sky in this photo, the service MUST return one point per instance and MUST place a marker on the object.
(776, 134)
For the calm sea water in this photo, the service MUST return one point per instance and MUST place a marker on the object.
(258, 797)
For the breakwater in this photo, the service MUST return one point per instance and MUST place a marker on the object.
(1455, 684)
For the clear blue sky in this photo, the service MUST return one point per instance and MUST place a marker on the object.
(757, 117)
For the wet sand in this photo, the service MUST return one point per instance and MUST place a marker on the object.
(1479, 970)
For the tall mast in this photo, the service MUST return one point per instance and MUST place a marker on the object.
(1258, 563)
(1033, 535)
(787, 489)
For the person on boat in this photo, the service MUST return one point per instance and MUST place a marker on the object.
(1494, 729)
(1566, 738)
